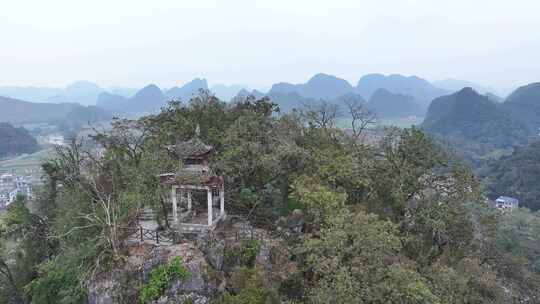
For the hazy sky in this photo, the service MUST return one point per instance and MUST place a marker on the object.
(257, 43)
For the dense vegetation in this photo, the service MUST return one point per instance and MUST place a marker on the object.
(524, 103)
(516, 175)
(160, 278)
(395, 222)
(479, 128)
(498, 139)
(14, 141)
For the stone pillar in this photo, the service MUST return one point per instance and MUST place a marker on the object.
(174, 204)
(222, 201)
(209, 194)
(189, 200)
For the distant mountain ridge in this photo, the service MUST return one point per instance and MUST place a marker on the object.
(32, 94)
(19, 111)
(420, 89)
(146, 100)
(454, 85)
(398, 96)
(480, 127)
(82, 92)
(16, 111)
(188, 90)
(524, 103)
(228, 92)
(468, 106)
(150, 98)
(320, 86)
(82, 117)
(14, 141)
(389, 105)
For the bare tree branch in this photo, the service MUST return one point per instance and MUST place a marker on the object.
(362, 118)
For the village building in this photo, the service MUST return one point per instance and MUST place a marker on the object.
(11, 186)
(506, 202)
(197, 194)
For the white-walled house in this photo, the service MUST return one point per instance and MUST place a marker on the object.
(506, 202)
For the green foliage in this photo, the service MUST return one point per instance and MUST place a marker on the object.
(64, 278)
(58, 283)
(251, 249)
(402, 285)
(320, 202)
(160, 277)
(392, 222)
(537, 265)
(351, 242)
(32, 246)
(516, 175)
(243, 254)
(251, 288)
(410, 157)
(475, 133)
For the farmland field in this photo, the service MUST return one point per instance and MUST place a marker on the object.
(25, 164)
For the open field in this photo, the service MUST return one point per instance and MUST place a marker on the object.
(25, 164)
(405, 122)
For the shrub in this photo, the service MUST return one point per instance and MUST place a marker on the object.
(243, 254)
(250, 251)
(251, 288)
(160, 278)
(536, 266)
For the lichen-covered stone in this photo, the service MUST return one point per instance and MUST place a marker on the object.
(210, 258)
(296, 221)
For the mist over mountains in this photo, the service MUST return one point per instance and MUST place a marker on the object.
(81, 92)
(453, 85)
(389, 96)
(88, 93)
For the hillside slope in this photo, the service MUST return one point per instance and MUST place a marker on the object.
(474, 125)
(19, 111)
(14, 141)
(524, 103)
(389, 105)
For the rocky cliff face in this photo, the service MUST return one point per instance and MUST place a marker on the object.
(210, 258)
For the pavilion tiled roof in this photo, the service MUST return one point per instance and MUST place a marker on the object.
(191, 148)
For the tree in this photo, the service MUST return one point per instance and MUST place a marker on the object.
(321, 203)
(19, 266)
(408, 160)
(321, 114)
(361, 117)
(356, 260)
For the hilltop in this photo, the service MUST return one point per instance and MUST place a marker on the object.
(477, 126)
(320, 86)
(146, 100)
(524, 103)
(420, 89)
